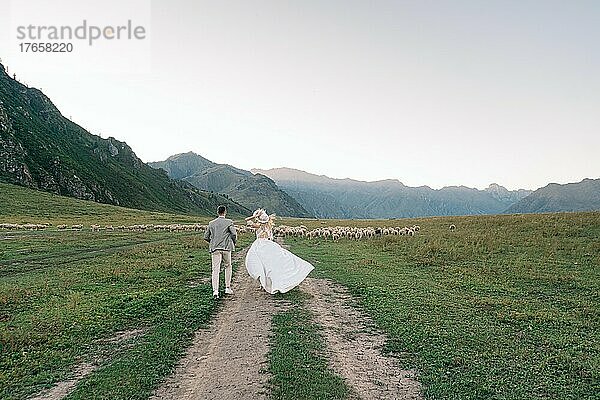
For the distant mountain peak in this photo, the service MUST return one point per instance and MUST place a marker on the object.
(495, 186)
(391, 181)
(497, 189)
(503, 194)
(249, 189)
(555, 197)
(292, 174)
(186, 155)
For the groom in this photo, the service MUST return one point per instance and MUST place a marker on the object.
(221, 236)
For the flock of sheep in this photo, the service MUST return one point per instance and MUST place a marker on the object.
(127, 228)
(150, 227)
(347, 232)
(333, 233)
(28, 227)
(98, 228)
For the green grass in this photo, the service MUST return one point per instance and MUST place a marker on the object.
(506, 307)
(53, 316)
(63, 293)
(297, 364)
(30, 250)
(22, 205)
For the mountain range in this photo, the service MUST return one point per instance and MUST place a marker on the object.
(41, 149)
(251, 190)
(580, 196)
(347, 198)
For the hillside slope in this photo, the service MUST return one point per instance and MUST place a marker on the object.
(22, 205)
(250, 190)
(41, 149)
(346, 198)
(579, 196)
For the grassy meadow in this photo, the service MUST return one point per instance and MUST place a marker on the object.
(66, 295)
(505, 307)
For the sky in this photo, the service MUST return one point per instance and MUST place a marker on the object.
(428, 92)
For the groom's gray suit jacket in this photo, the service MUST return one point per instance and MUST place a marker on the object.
(221, 234)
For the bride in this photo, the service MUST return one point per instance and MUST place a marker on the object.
(277, 269)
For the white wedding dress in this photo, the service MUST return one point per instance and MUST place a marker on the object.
(277, 269)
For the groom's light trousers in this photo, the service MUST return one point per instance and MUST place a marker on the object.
(218, 257)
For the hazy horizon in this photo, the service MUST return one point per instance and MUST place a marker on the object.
(436, 93)
(376, 180)
(394, 179)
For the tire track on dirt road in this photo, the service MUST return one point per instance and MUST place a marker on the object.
(227, 359)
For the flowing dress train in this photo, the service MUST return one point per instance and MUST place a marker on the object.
(278, 269)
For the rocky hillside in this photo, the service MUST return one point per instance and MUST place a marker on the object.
(41, 149)
(580, 196)
(346, 198)
(250, 190)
